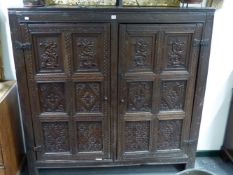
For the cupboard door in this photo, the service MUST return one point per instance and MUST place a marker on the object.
(68, 80)
(157, 64)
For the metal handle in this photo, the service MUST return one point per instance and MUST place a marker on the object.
(105, 98)
(122, 100)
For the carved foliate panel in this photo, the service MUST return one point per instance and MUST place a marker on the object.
(88, 97)
(89, 136)
(141, 53)
(177, 52)
(169, 135)
(48, 57)
(139, 96)
(172, 95)
(137, 136)
(86, 54)
(52, 97)
(56, 136)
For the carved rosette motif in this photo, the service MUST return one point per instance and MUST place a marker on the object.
(49, 58)
(137, 135)
(139, 96)
(169, 134)
(56, 136)
(176, 52)
(88, 97)
(89, 136)
(172, 95)
(142, 53)
(87, 53)
(52, 97)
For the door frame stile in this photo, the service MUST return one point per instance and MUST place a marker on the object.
(23, 94)
(114, 83)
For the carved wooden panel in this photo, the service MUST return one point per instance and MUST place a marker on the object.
(176, 54)
(139, 96)
(172, 95)
(169, 134)
(141, 53)
(48, 53)
(52, 97)
(88, 97)
(89, 136)
(137, 136)
(56, 136)
(86, 54)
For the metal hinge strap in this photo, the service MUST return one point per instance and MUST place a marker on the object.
(203, 42)
(23, 46)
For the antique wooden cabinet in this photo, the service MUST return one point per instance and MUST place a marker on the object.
(111, 86)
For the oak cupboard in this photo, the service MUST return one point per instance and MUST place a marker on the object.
(111, 86)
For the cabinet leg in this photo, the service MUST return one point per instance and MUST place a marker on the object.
(190, 164)
(30, 168)
(32, 171)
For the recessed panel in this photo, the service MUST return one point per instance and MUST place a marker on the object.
(88, 50)
(139, 96)
(56, 137)
(140, 50)
(52, 97)
(169, 134)
(89, 136)
(48, 51)
(176, 52)
(88, 97)
(137, 136)
(172, 95)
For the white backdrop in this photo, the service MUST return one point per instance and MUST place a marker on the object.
(219, 82)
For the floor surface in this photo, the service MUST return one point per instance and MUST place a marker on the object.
(213, 164)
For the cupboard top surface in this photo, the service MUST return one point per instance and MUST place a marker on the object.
(120, 15)
(112, 9)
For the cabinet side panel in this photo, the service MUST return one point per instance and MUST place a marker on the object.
(23, 91)
(202, 72)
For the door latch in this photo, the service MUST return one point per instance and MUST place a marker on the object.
(37, 148)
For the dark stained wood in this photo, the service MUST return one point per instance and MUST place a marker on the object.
(68, 68)
(11, 152)
(227, 147)
(202, 71)
(111, 92)
(23, 93)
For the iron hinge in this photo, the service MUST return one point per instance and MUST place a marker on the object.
(203, 42)
(37, 148)
(22, 46)
(190, 142)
